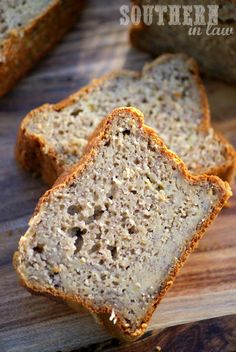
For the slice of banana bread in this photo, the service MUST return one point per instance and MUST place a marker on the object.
(169, 93)
(28, 29)
(112, 233)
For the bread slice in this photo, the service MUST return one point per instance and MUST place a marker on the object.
(112, 233)
(28, 29)
(215, 62)
(169, 93)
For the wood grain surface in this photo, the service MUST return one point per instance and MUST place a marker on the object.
(206, 287)
(212, 335)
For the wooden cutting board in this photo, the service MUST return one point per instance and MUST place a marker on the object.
(206, 286)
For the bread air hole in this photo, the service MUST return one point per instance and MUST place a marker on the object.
(144, 100)
(132, 230)
(39, 248)
(95, 248)
(113, 250)
(126, 132)
(78, 233)
(98, 212)
(74, 209)
(76, 112)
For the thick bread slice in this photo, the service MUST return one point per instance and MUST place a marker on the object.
(112, 233)
(28, 29)
(169, 93)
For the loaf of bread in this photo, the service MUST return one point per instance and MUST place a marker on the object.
(28, 29)
(113, 232)
(215, 52)
(169, 93)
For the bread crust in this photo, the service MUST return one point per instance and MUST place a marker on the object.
(23, 47)
(121, 330)
(29, 145)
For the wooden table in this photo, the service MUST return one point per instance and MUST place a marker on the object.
(206, 287)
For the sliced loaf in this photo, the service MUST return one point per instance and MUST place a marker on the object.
(169, 93)
(215, 53)
(112, 233)
(28, 29)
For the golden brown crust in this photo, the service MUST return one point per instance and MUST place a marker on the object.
(30, 152)
(23, 47)
(120, 329)
(26, 149)
(227, 170)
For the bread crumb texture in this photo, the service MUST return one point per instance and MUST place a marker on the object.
(169, 94)
(14, 14)
(116, 228)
